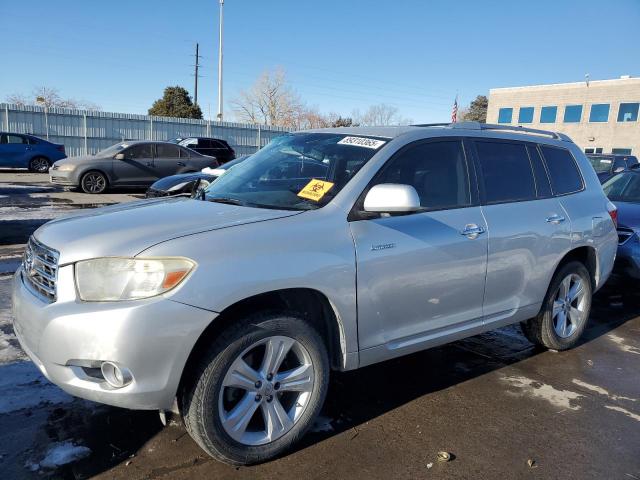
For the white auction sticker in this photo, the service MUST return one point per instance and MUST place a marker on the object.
(362, 142)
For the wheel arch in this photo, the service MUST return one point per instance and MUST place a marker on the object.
(586, 255)
(311, 305)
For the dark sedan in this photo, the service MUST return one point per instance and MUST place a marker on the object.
(183, 183)
(131, 164)
(624, 190)
(607, 165)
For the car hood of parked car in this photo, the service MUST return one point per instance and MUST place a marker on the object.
(628, 214)
(79, 159)
(128, 229)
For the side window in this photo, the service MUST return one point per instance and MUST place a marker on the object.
(16, 139)
(543, 186)
(564, 173)
(32, 140)
(216, 144)
(167, 150)
(437, 170)
(619, 165)
(506, 172)
(203, 143)
(184, 153)
(139, 151)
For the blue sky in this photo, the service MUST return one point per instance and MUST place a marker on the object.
(339, 55)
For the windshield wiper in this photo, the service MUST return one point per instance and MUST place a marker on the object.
(227, 200)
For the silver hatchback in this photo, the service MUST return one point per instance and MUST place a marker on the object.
(327, 250)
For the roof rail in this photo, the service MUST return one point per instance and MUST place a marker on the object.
(509, 128)
(431, 125)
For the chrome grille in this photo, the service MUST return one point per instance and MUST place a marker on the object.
(40, 269)
(624, 234)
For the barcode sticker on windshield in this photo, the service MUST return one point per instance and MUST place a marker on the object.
(362, 142)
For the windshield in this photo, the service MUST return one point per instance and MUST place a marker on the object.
(600, 164)
(112, 150)
(624, 187)
(295, 172)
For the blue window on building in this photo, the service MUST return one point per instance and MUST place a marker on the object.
(572, 113)
(548, 114)
(505, 115)
(599, 112)
(621, 151)
(628, 112)
(525, 115)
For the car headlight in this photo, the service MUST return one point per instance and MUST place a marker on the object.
(115, 279)
(65, 167)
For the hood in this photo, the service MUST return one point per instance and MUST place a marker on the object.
(78, 160)
(628, 214)
(127, 229)
(166, 183)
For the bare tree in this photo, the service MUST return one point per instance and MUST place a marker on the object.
(379, 115)
(50, 97)
(270, 101)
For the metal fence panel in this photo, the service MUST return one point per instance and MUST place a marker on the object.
(87, 132)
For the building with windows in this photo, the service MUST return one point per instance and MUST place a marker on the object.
(601, 115)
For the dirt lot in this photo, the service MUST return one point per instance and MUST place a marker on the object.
(494, 401)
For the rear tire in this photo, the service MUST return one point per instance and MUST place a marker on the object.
(240, 410)
(39, 165)
(94, 182)
(565, 310)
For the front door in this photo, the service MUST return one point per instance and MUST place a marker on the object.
(136, 168)
(421, 276)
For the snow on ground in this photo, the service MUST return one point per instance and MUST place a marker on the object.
(58, 454)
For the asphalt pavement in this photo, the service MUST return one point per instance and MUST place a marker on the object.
(501, 407)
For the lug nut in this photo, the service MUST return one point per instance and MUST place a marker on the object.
(258, 398)
(270, 377)
(258, 384)
(277, 386)
(269, 398)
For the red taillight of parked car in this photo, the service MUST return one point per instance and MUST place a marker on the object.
(613, 213)
(60, 148)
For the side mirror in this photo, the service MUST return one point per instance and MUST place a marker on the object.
(119, 156)
(392, 197)
(618, 170)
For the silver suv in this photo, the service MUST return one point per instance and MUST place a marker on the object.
(327, 250)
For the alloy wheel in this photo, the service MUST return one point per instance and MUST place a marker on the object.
(94, 183)
(266, 390)
(40, 165)
(569, 306)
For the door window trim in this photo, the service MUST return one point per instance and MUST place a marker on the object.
(357, 212)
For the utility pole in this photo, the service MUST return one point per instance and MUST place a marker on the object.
(195, 96)
(220, 65)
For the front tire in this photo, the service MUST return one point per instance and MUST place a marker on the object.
(93, 182)
(257, 389)
(39, 165)
(565, 310)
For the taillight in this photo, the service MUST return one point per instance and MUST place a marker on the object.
(60, 148)
(613, 213)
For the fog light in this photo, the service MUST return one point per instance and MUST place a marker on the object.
(115, 375)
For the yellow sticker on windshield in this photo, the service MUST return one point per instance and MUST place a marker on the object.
(315, 190)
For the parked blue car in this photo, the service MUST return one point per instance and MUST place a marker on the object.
(18, 150)
(623, 190)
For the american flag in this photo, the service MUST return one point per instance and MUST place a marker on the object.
(454, 111)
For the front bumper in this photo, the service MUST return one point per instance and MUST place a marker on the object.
(151, 338)
(628, 258)
(63, 177)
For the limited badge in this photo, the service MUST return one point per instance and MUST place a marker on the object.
(315, 190)
(362, 142)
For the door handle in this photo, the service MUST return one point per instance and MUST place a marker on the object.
(182, 164)
(471, 231)
(555, 219)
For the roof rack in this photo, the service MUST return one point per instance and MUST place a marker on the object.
(507, 128)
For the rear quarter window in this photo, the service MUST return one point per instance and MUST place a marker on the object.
(563, 170)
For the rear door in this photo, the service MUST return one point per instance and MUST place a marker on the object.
(14, 150)
(421, 275)
(137, 166)
(167, 160)
(528, 228)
